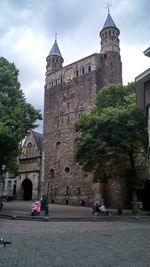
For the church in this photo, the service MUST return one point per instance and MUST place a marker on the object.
(70, 91)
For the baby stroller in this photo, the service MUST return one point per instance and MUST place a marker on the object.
(36, 208)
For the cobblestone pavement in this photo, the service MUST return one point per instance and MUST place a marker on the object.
(75, 244)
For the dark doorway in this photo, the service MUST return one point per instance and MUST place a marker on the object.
(146, 195)
(27, 189)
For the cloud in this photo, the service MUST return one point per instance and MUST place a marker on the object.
(27, 30)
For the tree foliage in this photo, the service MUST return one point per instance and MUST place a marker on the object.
(113, 136)
(17, 116)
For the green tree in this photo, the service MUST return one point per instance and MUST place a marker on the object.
(17, 116)
(113, 136)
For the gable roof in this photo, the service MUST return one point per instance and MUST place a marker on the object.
(39, 139)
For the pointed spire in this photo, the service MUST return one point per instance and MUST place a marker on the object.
(109, 22)
(55, 49)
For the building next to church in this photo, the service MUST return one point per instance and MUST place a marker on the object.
(143, 101)
(70, 91)
(30, 162)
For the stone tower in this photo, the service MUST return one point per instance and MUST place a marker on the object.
(70, 91)
(110, 53)
(54, 59)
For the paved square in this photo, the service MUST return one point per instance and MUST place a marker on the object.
(75, 244)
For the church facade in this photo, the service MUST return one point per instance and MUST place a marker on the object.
(30, 164)
(70, 91)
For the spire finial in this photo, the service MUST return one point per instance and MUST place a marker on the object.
(108, 7)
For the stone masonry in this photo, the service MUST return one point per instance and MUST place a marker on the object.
(70, 91)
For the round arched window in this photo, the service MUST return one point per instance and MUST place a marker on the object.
(67, 169)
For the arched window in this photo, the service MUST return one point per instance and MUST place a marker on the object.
(67, 169)
(89, 68)
(58, 146)
(52, 173)
(29, 150)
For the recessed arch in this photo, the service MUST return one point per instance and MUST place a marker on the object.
(27, 189)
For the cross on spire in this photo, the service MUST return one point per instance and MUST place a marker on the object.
(55, 35)
(108, 7)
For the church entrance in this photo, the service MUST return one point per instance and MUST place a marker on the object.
(27, 189)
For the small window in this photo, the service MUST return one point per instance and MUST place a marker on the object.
(52, 83)
(56, 81)
(67, 190)
(83, 70)
(52, 173)
(105, 56)
(78, 190)
(68, 105)
(67, 170)
(89, 68)
(77, 73)
(61, 79)
(68, 120)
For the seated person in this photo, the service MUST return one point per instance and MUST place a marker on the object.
(95, 209)
(103, 210)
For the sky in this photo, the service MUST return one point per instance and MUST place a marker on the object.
(27, 30)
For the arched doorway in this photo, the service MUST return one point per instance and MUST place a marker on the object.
(27, 189)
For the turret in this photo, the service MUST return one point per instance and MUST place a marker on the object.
(110, 52)
(109, 36)
(54, 59)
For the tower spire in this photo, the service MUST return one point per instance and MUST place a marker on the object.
(54, 59)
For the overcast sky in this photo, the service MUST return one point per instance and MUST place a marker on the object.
(27, 29)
